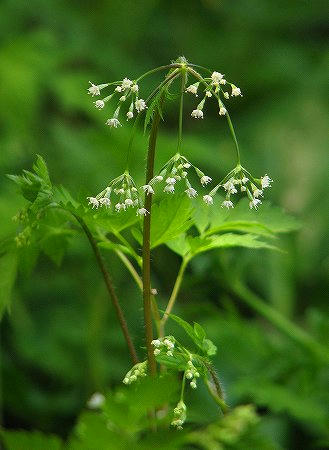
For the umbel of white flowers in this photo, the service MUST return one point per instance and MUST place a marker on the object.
(139, 370)
(240, 180)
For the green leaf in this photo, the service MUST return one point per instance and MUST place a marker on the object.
(109, 221)
(155, 104)
(199, 331)
(64, 198)
(30, 440)
(116, 246)
(8, 270)
(170, 218)
(209, 347)
(266, 220)
(180, 245)
(54, 243)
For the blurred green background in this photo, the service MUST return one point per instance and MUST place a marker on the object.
(60, 341)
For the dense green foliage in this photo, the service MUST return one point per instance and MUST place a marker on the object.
(264, 310)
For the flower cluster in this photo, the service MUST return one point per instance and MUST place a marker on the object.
(126, 195)
(139, 370)
(192, 374)
(125, 90)
(239, 179)
(212, 86)
(164, 345)
(175, 170)
(179, 415)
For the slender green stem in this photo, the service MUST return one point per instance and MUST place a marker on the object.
(147, 247)
(282, 323)
(174, 294)
(200, 78)
(110, 288)
(130, 268)
(157, 69)
(183, 388)
(181, 107)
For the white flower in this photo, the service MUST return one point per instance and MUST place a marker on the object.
(93, 201)
(216, 77)
(126, 83)
(235, 91)
(119, 191)
(130, 115)
(171, 180)
(118, 89)
(184, 173)
(120, 206)
(222, 81)
(142, 212)
(113, 123)
(148, 189)
(156, 342)
(226, 95)
(245, 180)
(190, 363)
(158, 178)
(186, 165)
(222, 111)
(122, 99)
(197, 114)
(134, 88)
(157, 352)
(208, 199)
(154, 291)
(189, 375)
(96, 401)
(99, 104)
(254, 203)
(170, 188)
(227, 204)
(191, 192)
(243, 188)
(229, 186)
(129, 202)
(205, 180)
(208, 94)
(266, 181)
(126, 380)
(258, 193)
(93, 89)
(140, 105)
(170, 353)
(105, 201)
(193, 89)
(193, 384)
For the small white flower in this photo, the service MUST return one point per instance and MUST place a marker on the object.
(96, 401)
(157, 352)
(170, 188)
(197, 114)
(113, 123)
(222, 111)
(99, 104)
(93, 89)
(142, 212)
(147, 188)
(258, 193)
(193, 89)
(208, 199)
(196, 374)
(105, 201)
(229, 186)
(190, 363)
(245, 180)
(208, 94)
(126, 380)
(266, 181)
(235, 91)
(122, 99)
(243, 188)
(227, 204)
(154, 291)
(226, 95)
(216, 77)
(171, 180)
(130, 115)
(186, 165)
(169, 344)
(184, 174)
(119, 191)
(189, 375)
(140, 105)
(126, 83)
(119, 206)
(170, 353)
(222, 81)
(134, 88)
(193, 384)
(93, 201)
(156, 342)
(191, 192)
(254, 203)
(158, 178)
(129, 202)
(205, 180)
(118, 89)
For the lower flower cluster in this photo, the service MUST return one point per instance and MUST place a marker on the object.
(139, 370)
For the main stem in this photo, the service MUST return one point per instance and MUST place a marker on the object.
(147, 247)
(110, 289)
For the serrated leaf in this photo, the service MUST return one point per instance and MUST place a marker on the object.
(30, 440)
(180, 245)
(199, 331)
(8, 270)
(64, 198)
(170, 218)
(209, 347)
